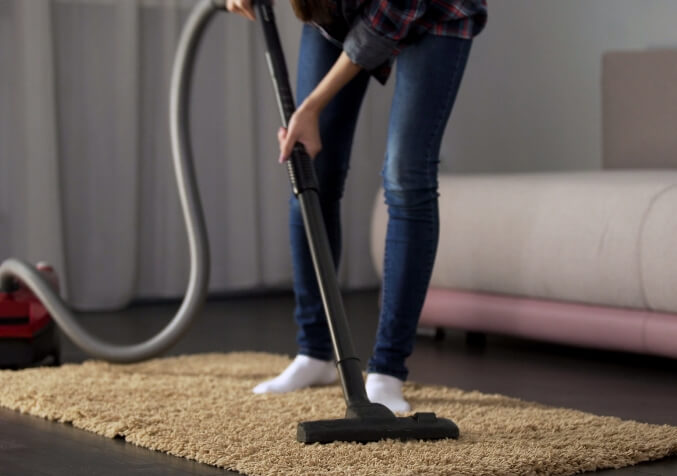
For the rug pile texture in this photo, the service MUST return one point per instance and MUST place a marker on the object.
(201, 407)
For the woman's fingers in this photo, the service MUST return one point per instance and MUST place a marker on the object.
(287, 147)
(241, 7)
(303, 128)
(287, 142)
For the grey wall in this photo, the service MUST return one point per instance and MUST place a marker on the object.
(531, 96)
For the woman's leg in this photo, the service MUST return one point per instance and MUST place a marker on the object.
(337, 126)
(428, 76)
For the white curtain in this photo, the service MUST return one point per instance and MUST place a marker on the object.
(85, 173)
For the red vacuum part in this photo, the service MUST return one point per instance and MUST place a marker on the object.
(27, 332)
(22, 316)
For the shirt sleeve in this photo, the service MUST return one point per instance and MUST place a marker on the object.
(376, 32)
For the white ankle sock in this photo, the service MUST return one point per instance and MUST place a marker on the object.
(303, 372)
(387, 391)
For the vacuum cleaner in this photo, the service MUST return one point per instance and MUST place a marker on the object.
(27, 331)
(364, 421)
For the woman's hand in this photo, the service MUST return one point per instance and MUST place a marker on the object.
(241, 7)
(304, 124)
(304, 128)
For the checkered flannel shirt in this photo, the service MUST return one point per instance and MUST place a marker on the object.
(373, 32)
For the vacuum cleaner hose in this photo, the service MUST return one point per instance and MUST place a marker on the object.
(12, 269)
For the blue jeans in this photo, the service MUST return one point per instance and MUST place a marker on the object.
(427, 79)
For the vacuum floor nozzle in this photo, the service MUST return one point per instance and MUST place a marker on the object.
(420, 426)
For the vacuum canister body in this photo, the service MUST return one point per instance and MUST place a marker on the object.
(28, 334)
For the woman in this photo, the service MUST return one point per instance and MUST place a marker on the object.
(343, 44)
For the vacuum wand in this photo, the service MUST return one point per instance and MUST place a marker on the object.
(305, 187)
(365, 421)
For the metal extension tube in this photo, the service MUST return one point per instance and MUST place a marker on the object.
(304, 184)
(193, 216)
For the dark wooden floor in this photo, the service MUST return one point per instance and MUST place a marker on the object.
(623, 385)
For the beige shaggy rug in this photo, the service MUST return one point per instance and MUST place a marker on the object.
(201, 407)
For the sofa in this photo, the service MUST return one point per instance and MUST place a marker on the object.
(586, 258)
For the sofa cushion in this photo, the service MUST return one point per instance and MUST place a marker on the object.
(602, 237)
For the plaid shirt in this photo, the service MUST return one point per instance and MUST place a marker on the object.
(373, 32)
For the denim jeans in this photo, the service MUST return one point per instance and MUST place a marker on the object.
(427, 77)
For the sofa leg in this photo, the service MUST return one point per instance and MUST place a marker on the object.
(440, 334)
(475, 339)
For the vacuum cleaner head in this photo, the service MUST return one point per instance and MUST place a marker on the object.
(374, 422)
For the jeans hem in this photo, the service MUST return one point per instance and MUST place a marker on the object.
(375, 369)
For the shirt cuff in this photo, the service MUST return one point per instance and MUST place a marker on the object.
(365, 47)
